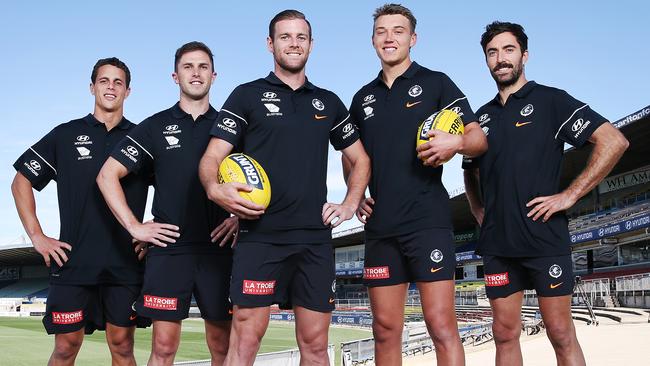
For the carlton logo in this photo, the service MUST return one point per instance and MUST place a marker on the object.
(67, 318)
(376, 273)
(258, 287)
(160, 303)
(318, 104)
(498, 279)
(415, 91)
(252, 175)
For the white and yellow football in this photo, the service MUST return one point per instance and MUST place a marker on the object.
(445, 120)
(242, 168)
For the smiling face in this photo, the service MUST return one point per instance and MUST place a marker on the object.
(194, 74)
(291, 44)
(505, 59)
(393, 38)
(109, 88)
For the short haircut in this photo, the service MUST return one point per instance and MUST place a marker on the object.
(287, 15)
(113, 61)
(395, 9)
(189, 47)
(495, 28)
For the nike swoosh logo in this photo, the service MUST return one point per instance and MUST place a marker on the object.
(434, 270)
(132, 317)
(331, 301)
(319, 117)
(555, 285)
(519, 124)
(409, 104)
(229, 311)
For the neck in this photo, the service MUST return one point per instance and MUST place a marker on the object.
(506, 91)
(391, 72)
(110, 119)
(294, 79)
(193, 106)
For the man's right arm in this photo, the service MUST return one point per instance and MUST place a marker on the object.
(108, 181)
(472, 191)
(225, 195)
(21, 188)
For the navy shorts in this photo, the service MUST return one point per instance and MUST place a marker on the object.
(423, 256)
(548, 276)
(171, 280)
(288, 275)
(73, 307)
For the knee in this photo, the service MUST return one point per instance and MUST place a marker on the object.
(218, 343)
(164, 347)
(561, 335)
(442, 331)
(66, 349)
(121, 346)
(314, 345)
(246, 342)
(385, 329)
(505, 333)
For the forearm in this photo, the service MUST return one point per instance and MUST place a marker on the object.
(602, 160)
(472, 189)
(357, 180)
(474, 142)
(26, 205)
(108, 181)
(214, 154)
(347, 167)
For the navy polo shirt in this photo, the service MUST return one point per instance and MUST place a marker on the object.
(172, 143)
(72, 155)
(526, 139)
(288, 132)
(408, 195)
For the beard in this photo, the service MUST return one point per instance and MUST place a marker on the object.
(507, 80)
(292, 68)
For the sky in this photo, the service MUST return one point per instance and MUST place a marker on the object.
(597, 51)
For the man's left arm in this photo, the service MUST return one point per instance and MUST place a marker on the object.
(443, 146)
(357, 181)
(609, 146)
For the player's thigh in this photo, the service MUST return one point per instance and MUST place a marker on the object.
(212, 286)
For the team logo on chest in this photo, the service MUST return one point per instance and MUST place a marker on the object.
(527, 110)
(415, 90)
(318, 104)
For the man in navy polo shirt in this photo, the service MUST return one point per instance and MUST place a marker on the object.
(285, 254)
(182, 261)
(95, 276)
(408, 229)
(513, 190)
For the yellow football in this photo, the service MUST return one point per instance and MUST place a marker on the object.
(244, 169)
(444, 120)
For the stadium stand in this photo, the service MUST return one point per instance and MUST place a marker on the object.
(24, 288)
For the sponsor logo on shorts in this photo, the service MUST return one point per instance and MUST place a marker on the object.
(497, 279)
(67, 318)
(258, 287)
(160, 303)
(132, 317)
(555, 285)
(376, 273)
(331, 300)
(555, 271)
(434, 270)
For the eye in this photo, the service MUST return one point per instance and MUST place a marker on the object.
(302, 38)
(118, 82)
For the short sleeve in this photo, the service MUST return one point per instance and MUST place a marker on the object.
(38, 163)
(135, 151)
(576, 121)
(454, 99)
(344, 131)
(231, 124)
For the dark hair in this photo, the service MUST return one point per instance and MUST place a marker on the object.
(113, 61)
(287, 15)
(395, 9)
(495, 28)
(189, 47)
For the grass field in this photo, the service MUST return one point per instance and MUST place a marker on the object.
(23, 342)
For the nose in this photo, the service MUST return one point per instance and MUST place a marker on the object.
(500, 56)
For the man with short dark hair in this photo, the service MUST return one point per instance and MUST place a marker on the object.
(513, 191)
(409, 237)
(182, 261)
(285, 254)
(96, 276)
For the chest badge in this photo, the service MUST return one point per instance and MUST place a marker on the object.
(318, 104)
(527, 110)
(415, 91)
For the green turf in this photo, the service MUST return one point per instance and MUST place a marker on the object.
(23, 341)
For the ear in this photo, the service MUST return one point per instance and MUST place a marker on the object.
(269, 44)
(311, 44)
(92, 89)
(175, 77)
(214, 76)
(128, 92)
(414, 39)
(524, 57)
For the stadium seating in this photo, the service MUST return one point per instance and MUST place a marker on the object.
(24, 288)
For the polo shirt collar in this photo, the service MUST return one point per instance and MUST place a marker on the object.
(521, 93)
(179, 113)
(408, 74)
(92, 121)
(275, 80)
